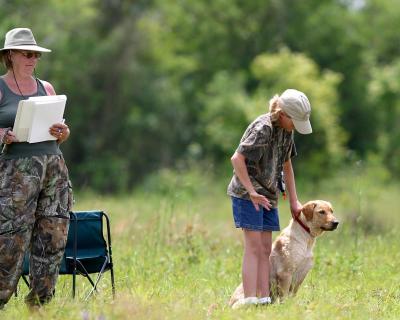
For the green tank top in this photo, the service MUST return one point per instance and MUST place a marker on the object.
(8, 110)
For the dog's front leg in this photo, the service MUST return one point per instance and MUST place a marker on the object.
(301, 275)
(284, 279)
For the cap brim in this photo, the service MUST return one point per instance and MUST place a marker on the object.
(27, 47)
(303, 127)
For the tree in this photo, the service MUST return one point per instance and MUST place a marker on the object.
(384, 94)
(228, 109)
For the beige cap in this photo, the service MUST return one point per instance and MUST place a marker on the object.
(296, 105)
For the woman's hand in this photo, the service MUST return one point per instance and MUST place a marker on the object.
(60, 131)
(8, 137)
(259, 200)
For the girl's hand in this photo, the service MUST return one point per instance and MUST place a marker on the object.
(296, 208)
(259, 200)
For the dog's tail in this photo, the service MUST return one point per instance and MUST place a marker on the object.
(237, 294)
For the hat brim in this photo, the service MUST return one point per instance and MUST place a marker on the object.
(26, 47)
(303, 127)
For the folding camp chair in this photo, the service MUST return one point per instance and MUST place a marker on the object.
(86, 251)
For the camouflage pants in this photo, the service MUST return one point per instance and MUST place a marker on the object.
(35, 199)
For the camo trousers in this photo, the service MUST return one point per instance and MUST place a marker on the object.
(35, 199)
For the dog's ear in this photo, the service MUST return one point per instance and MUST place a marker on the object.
(308, 210)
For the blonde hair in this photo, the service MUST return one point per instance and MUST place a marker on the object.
(275, 108)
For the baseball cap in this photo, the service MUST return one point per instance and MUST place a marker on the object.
(296, 105)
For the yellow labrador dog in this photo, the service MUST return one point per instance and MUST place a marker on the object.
(291, 256)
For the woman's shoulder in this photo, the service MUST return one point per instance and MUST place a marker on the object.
(48, 87)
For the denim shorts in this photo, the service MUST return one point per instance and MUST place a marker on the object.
(247, 217)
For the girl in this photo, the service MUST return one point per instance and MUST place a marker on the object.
(265, 150)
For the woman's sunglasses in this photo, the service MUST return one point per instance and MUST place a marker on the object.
(29, 54)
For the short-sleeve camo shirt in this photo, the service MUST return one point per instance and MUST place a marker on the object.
(266, 147)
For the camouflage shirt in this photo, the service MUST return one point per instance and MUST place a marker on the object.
(266, 147)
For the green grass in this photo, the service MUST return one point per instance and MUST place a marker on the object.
(178, 256)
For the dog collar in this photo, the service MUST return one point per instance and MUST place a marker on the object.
(303, 225)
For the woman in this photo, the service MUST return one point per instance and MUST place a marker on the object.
(35, 197)
(264, 152)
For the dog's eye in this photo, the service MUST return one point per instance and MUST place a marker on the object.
(321, 211)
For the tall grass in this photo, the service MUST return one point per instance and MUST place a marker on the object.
(178, 256)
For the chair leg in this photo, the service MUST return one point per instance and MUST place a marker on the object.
(110, 253)
(73, 284)
(97, 280)
(75, 220)
(85, 273)
(112, 280)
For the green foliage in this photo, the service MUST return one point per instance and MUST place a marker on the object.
(157, 85)
(384, 94)
(335, 37)
(380, 19)
(224, 116)
(228, 109)
(322, 150)
(154, 84)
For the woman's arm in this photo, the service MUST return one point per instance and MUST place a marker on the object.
(49, 88)
(239, 164)
(295, 205)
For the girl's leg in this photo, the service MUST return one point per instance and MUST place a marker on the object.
(252, 249)
(264, 264)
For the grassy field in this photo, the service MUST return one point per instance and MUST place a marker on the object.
(178, 256)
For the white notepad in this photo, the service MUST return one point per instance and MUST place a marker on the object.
(36, 115)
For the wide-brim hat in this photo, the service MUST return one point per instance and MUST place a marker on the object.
(22, 39)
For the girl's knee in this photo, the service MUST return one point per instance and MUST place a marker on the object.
(253, 250)
(266, 252)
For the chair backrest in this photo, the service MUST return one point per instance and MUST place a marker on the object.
(86, 236)
(87, 228)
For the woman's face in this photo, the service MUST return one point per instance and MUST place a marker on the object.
(24, 61)
(285, 121)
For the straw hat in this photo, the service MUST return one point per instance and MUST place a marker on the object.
(22, 39)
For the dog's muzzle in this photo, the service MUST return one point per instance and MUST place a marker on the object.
(332, 226)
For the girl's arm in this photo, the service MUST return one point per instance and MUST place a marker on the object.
(295, 205)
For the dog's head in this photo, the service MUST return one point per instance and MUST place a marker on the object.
(319, 215)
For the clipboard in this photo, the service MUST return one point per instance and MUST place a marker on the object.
(36, 115)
